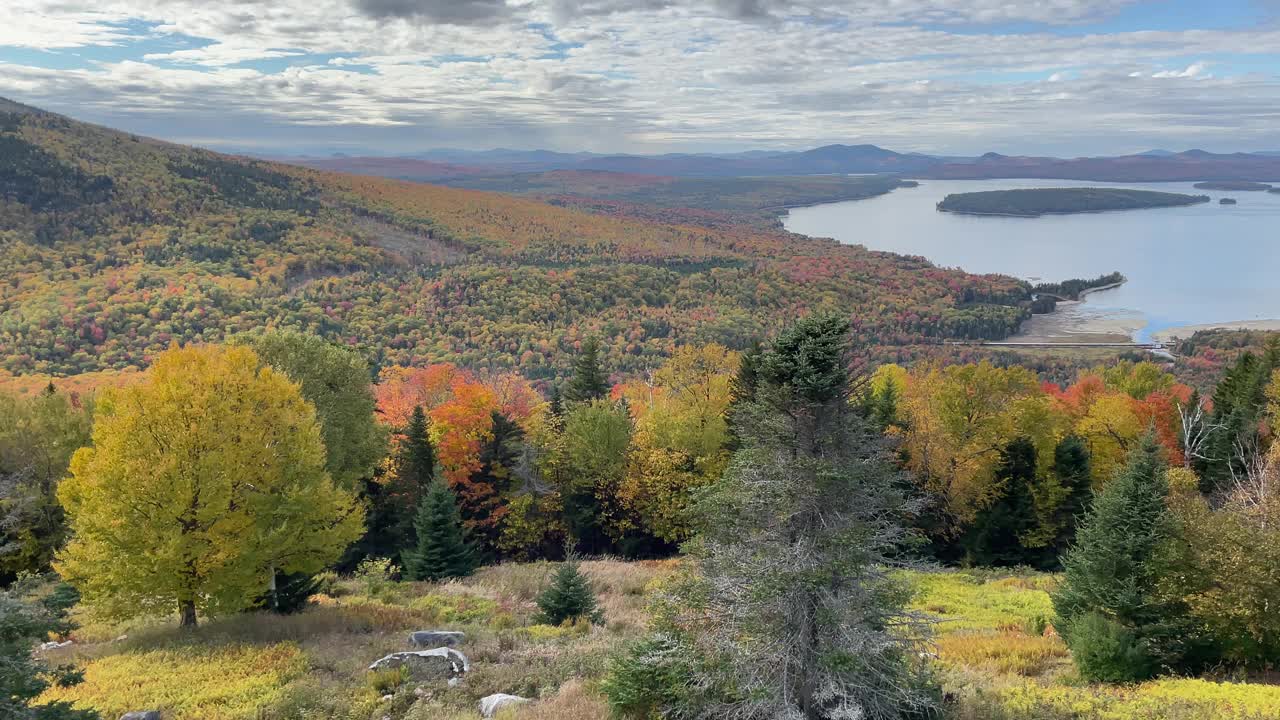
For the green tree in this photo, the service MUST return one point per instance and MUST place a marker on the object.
(37, 438)
(336, 381)
(490, 486)
(22, 677)
(392, 507)
(596, 440)
(203, 480)
(442, 550)
(1113, 608)
(996, 537)
(569, 597)
(589, 381)
(1072, 471)
(798, 549)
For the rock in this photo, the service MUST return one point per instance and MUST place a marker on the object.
(387, 697)
(54, 645)
(437, 664)
(436, 638)
(490, 705)
(141, 715)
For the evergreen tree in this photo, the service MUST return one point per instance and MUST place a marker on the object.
(797, 552)
(490, 486)
(569, 597)
(556, 406)
(23, 677)
(290, 593)
(742, 388)
(441, 550)
(414, 474)
(1110, 606)
(1071, 468)
(996, 536)
(589, 381)
(1239, 404)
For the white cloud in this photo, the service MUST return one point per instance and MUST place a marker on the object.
(642, 74)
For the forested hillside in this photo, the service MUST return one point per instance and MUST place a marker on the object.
(114, 246)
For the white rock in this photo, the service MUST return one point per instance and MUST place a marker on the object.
(438, 664)
(490, 705)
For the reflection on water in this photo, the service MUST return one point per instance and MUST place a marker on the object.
(1186, 266)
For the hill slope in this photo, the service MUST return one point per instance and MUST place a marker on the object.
(115, 246)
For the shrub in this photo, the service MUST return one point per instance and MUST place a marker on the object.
(1106, 651)
(376, 575)
(568, 598)
(649, 678)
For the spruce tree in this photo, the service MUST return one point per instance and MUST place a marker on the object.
(569, 597)
(996, 536)
(442, 550)
(1071, 468)
(1110, 606)
(414, 473)
(589, 381)
(797, 552)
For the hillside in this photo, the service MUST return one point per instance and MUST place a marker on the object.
(116, 246)
(1166, 167)
(1061, 201)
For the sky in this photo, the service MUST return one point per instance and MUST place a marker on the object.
(282, 77)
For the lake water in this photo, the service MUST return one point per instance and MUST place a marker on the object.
(1193, 265)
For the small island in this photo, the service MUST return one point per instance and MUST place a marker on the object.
(1233, 186)
(1274, 191)
(1227, 201)
(1061, 201)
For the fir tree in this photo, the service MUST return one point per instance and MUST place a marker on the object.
(414, 473)
(996, 537)
(1110, 606)
(569, 597)
(589, 381)
(490, 485)
(797, 552)
(1071, 468)
(442, 550)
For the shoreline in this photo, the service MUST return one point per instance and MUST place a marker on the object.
(1185, 331)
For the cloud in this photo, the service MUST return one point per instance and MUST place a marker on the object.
(640, 75)
(449, 12)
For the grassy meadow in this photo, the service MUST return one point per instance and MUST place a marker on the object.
(996, 652)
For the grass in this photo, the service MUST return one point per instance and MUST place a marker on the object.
(996, 652)
(314, 664)
(999, 669)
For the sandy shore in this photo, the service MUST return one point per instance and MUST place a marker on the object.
(1187, 331)
(1074, 321)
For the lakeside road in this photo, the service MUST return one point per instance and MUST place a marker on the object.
(1186, 331)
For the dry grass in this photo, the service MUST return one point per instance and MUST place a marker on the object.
(1004, 652)
(573, 701)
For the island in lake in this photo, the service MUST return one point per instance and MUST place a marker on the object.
(1061, 201)
(1233, 186)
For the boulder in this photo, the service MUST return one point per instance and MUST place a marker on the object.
(436, 638)
(436, 664)
(489, 706)
(141, 715)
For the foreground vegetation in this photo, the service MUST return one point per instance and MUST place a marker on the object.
(1057, 201)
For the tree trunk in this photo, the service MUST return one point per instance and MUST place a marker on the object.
(187, 613)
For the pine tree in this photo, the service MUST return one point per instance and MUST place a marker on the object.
(996, 536)
(23, 677)
(569, 597)
(442, 550)
(415, 471)
(1071, 468)
(489, 487)
(797, 552)
(1111, 611)
(589, 381)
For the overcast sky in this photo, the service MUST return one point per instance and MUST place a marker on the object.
(1065, 77)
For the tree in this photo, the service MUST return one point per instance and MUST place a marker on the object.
(798, 601)
(589, 381)
(1113, 607)
(569, 597)
(37, 438)
(393, 504)
(596, 441)
(998, 534)
(441, 551)
(1071, 469)
(22, 677)
(336, 381)
(203, 480)
(489, 488)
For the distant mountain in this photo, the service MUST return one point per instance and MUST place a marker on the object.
(1191, 165)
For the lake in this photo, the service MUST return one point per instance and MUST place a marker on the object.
(1195, 265)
